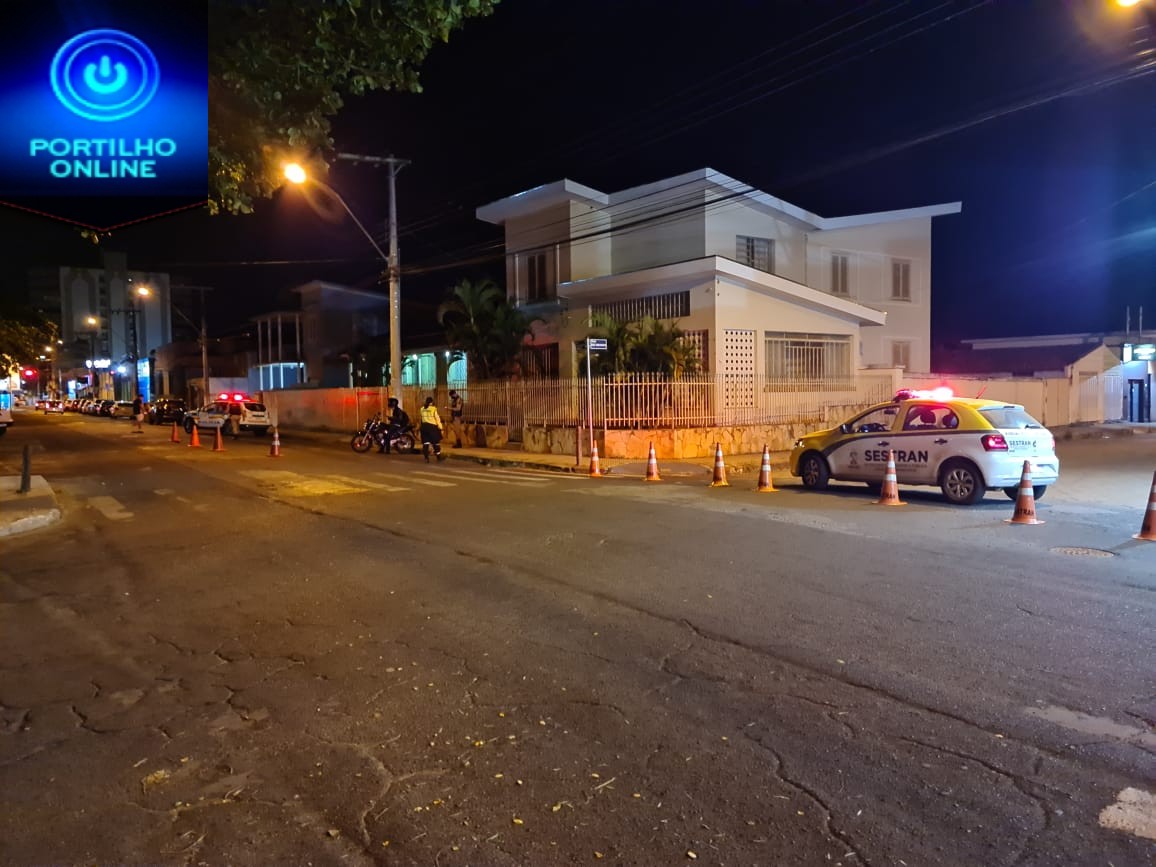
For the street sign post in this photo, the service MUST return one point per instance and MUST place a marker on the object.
(593, 344)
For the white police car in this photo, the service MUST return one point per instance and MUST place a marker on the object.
(965, 446)
(253, 415)
(5, 411)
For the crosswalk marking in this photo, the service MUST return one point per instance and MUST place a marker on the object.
(544, 475)
(433, 483)
(487, 478)
(110, 507)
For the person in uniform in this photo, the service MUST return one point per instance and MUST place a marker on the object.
(431, 430)
(457, 407)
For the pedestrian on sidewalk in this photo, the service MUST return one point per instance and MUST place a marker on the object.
(457, 408)
(138, 414)
(431, 430)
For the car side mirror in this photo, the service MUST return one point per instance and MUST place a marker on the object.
(845, 428)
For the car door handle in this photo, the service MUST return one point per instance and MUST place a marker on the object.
(940, 441)
(882, 443)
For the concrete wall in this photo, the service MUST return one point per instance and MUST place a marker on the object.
(588, 256)
(546, 231)
(680, 237)
(871, 250)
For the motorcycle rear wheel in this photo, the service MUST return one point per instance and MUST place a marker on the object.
(404, 443)
(361, 443)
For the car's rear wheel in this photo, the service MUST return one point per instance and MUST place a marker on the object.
(189, 425)
(1014, 492)
(814, 471)
(961, 483)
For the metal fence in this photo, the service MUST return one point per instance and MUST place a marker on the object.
(650, 401)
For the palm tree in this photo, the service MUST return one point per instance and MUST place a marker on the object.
(643, 345)
(483, 325)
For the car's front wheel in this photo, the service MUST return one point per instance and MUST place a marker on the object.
(1014, 492)
(189, 425)
(814, 471)
(961, 483)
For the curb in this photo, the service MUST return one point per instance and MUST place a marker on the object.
(30, 522)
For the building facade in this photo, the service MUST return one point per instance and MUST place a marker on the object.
(759, 284)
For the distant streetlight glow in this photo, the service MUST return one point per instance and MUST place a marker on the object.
(1127, 3)
(295, 174)
(144, 291)
(91, 320)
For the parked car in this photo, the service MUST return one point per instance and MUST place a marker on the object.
(5, 411)
(964, 446)
(56, 406)
(105, 407)
(166, 410)
(254, 416)
(120, 409)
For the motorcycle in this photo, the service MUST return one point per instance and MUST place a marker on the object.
(374, 432)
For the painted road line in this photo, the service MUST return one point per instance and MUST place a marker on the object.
(487, 478)
(110, 507)
(164, 492)
(545, 475)
(433, 483)
(1134, 813)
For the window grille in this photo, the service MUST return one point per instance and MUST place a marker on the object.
(900, 280)
(807, 358)
(672, 305)
(901, 353)
(536, 276)
(756, 252)
(840, 284)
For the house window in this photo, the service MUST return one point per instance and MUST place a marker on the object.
(840, 284)
(756, 252)
(536, 276)
(900, 280)
(901, 353)
(817, 359)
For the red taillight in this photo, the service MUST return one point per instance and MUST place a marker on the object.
(993, 443)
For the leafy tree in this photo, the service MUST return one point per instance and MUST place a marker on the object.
(279, 69)
(481, 323)
(23, 335)
(643, 345)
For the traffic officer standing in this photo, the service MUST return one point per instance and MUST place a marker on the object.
(431, 430)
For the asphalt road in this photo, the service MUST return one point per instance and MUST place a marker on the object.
(331, 658)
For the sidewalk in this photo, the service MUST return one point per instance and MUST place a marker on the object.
(20, 513)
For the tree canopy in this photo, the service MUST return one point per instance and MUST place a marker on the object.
(23, 335)
(480, 322)
(279, 69)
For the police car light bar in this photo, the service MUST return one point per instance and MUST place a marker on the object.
(940, 393)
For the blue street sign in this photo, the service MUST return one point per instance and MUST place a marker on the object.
(593, 343)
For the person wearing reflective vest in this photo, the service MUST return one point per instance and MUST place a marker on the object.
(431, 430)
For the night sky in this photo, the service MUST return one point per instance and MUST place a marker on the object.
(820, 102)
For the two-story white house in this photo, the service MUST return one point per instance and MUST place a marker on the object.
(762, 286)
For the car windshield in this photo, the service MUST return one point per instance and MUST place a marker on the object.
(1009, 417)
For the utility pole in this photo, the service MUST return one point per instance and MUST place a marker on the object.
(202, 338)
(394, 165)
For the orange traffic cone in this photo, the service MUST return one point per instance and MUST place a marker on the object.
(720, 469)
(889, 494)
(1148, 527)
(595, 468)
(275, 448)
(218, 443)
(766, 486)
(1025, 512)
(195, 439)
(652, 467)
(176, 437)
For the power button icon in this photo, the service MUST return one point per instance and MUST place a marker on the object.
(104, 75)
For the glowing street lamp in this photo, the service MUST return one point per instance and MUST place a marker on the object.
(295, 173)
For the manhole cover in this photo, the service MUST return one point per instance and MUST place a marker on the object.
(1083, 552)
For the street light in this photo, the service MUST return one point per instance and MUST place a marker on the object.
(295, 173)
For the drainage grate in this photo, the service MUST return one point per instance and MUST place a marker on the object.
(1083, 552)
